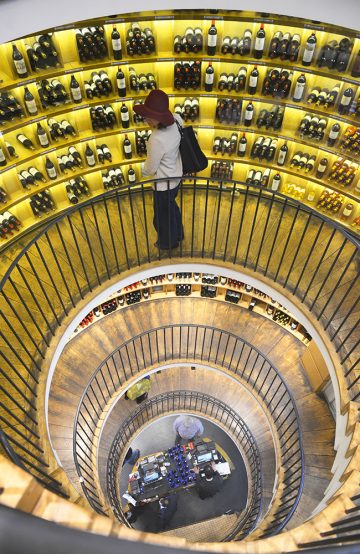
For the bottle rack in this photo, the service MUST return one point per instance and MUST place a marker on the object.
(165, 26)
(170, 285)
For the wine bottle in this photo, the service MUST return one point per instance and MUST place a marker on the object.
(225, 48)
(283, 152)
(253, 80)
(309, 166)
(19, 62)
(42, 136)
(259, 43)
(30, 102)
(11, 150)
(265, 177)
(50, 169)
(314, 95)
(242, 146)
(276, 180)
(120, 81)
(249, 114)
(345, 101)
(38, 176)
(299, 88)
(75, 90)
(332, 96)
(73, 153)
(26, 142)
(106, 152)
(71, 194)
(274, 45)
(309, 50)
(100, 154)
(124, 116)
(333, 135)
(245, 48)
(209, 77)
(89, 156)
(294, 47)
(355, 70)
(127, 148)
(131, 175)
(67, 128)
(211, 39)
(284, 46)
(3, 161)
(116, 44)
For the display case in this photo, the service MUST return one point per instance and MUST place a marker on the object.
(300, 79)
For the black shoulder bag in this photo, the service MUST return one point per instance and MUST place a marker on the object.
(192, 157)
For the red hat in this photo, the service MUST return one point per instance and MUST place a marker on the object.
(156, 106)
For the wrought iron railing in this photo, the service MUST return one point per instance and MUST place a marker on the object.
(207, 406)
(198, 344)
(309, 255)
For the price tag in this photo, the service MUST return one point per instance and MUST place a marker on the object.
(64, 27)
(293, 107)
(211, 59)
(76, 70)
(165, 59)
(207, 95)
(7, 168)
(23, 83)
(352, 81)
(38, 119)
(215, 17)
(159, 17)
(263, 20)
(260, 63)
(79, 107)
(119, 62)
(86, 139)
(49, 151)
(315, 27)
(206, 126)
(112, 21)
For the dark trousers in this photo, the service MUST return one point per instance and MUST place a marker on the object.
(167, 218)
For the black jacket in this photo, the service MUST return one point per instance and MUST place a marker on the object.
(165, 514)
(206, 489)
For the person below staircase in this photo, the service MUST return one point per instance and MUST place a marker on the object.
(139, 391)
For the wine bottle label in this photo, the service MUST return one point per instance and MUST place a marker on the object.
(259, 43)
(31, 106)
(308, 52)
(275, 184)
(282, 156)
(333, 134)
(253, 81)
(242, 147)
(345, 101)
(43, 140)
(20, 67)
(2, 157)
(248, 114)
(116, 44)
(90, 159)
(132, 178)
(76, 93)
(212, 40)
(124, 116)
(209, 78)
(299, 90)
(121, 83)
(51, 171)
(127, 149)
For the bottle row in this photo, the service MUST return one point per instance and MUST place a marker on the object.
(253, 40)
(186, 284)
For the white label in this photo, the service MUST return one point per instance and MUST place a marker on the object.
(132, 178)
(308, 53)
(345, 101)
(333, 134)
(259, 43)
(31, 106)
(90, 159)
(209, 78)
(43, 140)
(282, 156)
(275, 184)
(248, 114)
(2, 157)
(51, 172)
(212, 40)
(20, 66)
(76, 93)
(124, 116)
(127, 149)
(121, 83)
(299, 90)
(116, 44)
(242, 147)
(253, 81)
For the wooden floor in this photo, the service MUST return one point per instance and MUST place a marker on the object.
(283, 350)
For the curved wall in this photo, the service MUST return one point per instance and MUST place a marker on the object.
(21, 17)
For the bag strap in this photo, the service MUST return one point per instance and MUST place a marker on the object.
(179, 128)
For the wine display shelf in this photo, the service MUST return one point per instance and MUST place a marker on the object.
(165, 25)
(167, 289)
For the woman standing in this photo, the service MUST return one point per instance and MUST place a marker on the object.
(163, 160)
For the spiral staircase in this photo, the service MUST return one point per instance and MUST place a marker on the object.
(61, 417)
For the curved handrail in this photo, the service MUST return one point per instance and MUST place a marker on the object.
(188, 400)
(34, 300)
(261, 376)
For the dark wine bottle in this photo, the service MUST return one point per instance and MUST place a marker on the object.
(299, 88)
(259, 43)
(11, 150)
(249, 114)
(124, 116)
(116, 44)
(89, 156)
(3, 161)
(120, 81)
(30, 102)
(75, 90)
(355, 70)
(131, 175)
(209, 77)
(242, 146)
(19, 62)
(253, 80)
(345, 101)
(42, 136)
(26, 142)
(211, 39)
(309, 51)
(127, 148)
(333, 135)
(50, 169)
